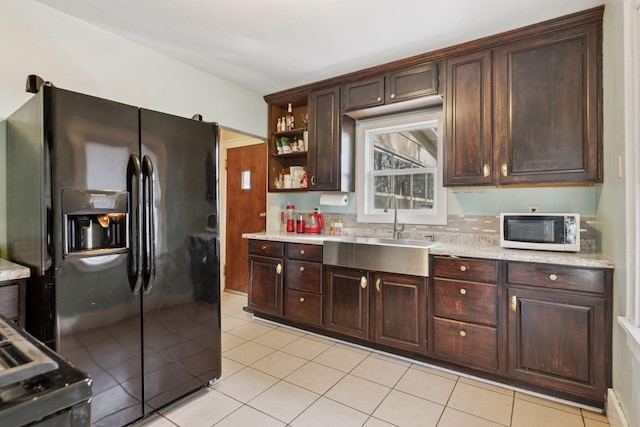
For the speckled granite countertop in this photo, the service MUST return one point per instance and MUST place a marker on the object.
(12, 271)
(478, 251)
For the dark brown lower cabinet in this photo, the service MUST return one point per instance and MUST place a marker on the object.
(347, 307)
(266, 265)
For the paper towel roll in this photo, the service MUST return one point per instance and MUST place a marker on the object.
(334, 199)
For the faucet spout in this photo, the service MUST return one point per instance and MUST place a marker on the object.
(397, 229)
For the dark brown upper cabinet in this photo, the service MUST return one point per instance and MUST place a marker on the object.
(548, 115)
(469, 133)
(393, 86)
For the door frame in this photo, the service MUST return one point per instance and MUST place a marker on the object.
(229, 138)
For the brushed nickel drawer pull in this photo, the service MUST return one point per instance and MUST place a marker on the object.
(301, 269)
(463, 334)
(463, 291)
(393, 96)
(302, 252)
(264, 247)
(513, 303)
(504, 169)
(363, 282)
(379, 99)
(279, 268)
(301, 299)
(378, 284)
(486, 170)
(463, 268)
(553, 277)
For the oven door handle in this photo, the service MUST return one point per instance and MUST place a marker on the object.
(149, 258)
(134, 224)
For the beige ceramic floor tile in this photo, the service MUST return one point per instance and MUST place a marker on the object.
(232, 322)
(284, 401)
(248, 353)
(230, 297)
(453, 418)
(245, 384)
(250, 330)
(353, 347)
(243, 315)
(379, 371)
(374, 422)
(315, 377)
(276, 338)
(340, 358)
(246, 416)
(229, 341)
(230, 367)
(486, 386)
(548, 402)
(597, 416)
(482, 403)
(435, 371)
(358, 393)
(279, 364)
(306, 348)
(529, 414)
(426, 386)
(588, 422)
(325, 412)
(392, 359)
(156, 420)
(403, 409)
(323, 340)
(205, 409)
(231, 308)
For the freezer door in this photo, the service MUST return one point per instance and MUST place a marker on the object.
(181, 302)
(97, 314)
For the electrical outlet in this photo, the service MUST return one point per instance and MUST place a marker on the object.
(533, 209)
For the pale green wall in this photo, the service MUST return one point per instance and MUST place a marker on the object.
(610, 213)
(74, 55)
(3, 191)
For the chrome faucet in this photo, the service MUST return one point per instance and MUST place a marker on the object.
(397, 230)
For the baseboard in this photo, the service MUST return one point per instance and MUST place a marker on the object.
(614, 411)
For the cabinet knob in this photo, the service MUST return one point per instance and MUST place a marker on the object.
(463, 268)
(392, 96)
(279, 268)
(379, 284)
(302, 252)
(301, 269)
(513, 303)
(463, 334)
(379, 99)
(486, 170)
(363, 282)
(264, 247)
(463, 291)
(504, 170)
(313, 180)
(301, 299)
(553, 277)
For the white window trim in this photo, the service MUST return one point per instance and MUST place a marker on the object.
(631, 322)
(363, 163)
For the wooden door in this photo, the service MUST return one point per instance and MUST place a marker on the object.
(400, 311)
(324, 140)
(246, 209)
(347, 308)
(467, 104)
(265, 290)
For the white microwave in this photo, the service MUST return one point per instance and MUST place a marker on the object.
(540, 231)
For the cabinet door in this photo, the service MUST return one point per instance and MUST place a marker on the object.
(347, 307)
(400, 311)
(467, 105)
(557, 339)
(265, 285)
(412, 82)
(363, 93)
(324, 140)
(548, 108)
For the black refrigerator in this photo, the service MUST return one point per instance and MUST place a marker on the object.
(115, 210)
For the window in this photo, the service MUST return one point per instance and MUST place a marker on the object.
(401, 155)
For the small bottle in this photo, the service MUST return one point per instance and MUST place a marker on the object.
(337, 228)
(291, 119)
(279, 125)
(283, 124)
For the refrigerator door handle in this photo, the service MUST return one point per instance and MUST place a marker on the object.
(149, 258)
(134, 260)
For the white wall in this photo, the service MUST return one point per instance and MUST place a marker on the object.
(35, 39)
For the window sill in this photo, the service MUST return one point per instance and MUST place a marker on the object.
(633, 335)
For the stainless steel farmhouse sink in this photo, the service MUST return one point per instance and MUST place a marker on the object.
(379, 254)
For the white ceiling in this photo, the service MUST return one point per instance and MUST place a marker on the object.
(272, 45)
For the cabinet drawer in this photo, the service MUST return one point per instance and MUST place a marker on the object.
(9, 301)
(266, 248)
(304, 252)
(466, 344)
(304, 276)
(465, 301)
(303, 307)
(556, 276)
(476, 270)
